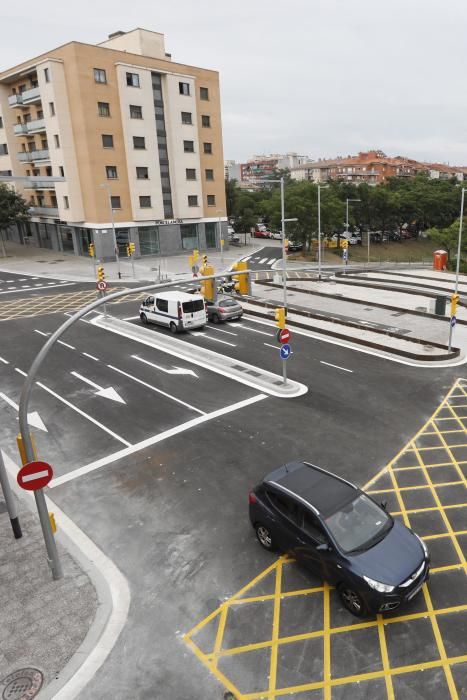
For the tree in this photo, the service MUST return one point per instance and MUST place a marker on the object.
(447, 237)
(13, 210)
(231, 196)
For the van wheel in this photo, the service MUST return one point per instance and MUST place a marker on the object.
(173, 328)
(215, 318)
(144, 319)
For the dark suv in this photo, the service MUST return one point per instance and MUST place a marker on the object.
(343, 535)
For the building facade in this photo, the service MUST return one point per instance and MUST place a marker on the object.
(262, 167)
(114, 138)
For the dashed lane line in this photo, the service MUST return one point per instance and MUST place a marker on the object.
(329, 364)
(217, 340)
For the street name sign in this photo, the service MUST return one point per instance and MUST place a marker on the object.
(34, 476)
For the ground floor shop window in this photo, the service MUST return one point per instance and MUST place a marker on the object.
(210, 230)
(66, 237)
(189, 233)
(149, 240)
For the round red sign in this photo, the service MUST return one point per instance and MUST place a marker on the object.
(101, 285)
(34, 476)
(283, 335)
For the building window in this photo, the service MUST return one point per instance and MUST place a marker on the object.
(142, 173)
(205, 120)
(132, 80)
(107, 141)
(203, 93)
(186, 118)
(189, 146)
(56, 141)
(66, 202)
(99, 75)
(52, 109)
(3, 149)
(40, 114)
(1, 122)
(145, 202)
(209, 174)
(192, 200)
(111, 171)
(61, 170)
(46, 75)
(207, 147)
(115, 202)
(139, 142)
(190, 174)
(104, 109)
(184, 88)
(136, 112)
(211, 200)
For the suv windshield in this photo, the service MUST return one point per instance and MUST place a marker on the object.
(189, 307)
(359, 525)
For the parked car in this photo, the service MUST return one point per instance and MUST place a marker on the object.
(261, 234)
(352, 238)
(223, 309)
(293, 246)
(276, 235)
(336, 530)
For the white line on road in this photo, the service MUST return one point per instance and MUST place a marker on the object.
(91, 357)
(217, 340)
(262, 261)
(329, 364)
(49, 286)
(130, 318)
(34, 418)
(271, 346)
(255, 330)
(155, 439)
(5, 362)
(20, 371)
(85, 415)
(159, 391)
(67, 345)
(220, 330)
(174, 370)
(41, 333)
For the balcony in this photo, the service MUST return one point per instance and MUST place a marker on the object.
(36, 184)
(44, 211)
(28, 97)
(33, 156)
(32, 127)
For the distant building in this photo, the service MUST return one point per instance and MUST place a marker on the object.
(262, 167)
(232, 170)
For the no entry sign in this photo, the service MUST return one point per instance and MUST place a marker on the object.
(34, 476)
(283, 335)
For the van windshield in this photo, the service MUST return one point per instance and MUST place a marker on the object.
(189, 307)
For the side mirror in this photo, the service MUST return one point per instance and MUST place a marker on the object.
(323, 547)
(384, 505)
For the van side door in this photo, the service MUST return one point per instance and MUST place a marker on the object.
(162, 312)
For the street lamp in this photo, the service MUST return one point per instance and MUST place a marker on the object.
(459, 242)
(320, 187)
(117, 254)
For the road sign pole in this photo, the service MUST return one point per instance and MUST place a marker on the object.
(284, 371)
(9, 500)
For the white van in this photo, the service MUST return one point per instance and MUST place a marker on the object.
(178, 311)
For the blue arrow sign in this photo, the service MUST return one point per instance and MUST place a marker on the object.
(286, 351)
(453, 321)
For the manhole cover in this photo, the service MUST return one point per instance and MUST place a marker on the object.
(21, 685)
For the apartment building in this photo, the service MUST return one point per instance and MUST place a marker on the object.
(262, 167)
(114, 133)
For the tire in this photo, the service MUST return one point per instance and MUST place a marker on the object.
(173, 328)
(144, 319)
(352, 601)
(265, 538)
(215, 318)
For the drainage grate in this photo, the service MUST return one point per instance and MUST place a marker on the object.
(21, 685)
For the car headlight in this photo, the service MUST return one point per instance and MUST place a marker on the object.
(425, 548)
(378, 586)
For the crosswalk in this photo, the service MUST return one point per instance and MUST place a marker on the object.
(25, 284)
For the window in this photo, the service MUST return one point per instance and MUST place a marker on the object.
(142, 173)
(46, 75)
(189, 146)
(211, 200)
(192, 200)
(136, 112)
(100, 75)
(190, 307)
(144, 202)
(1, 122)
(207, 147)
(3, 149)
(56, 141)
(61, 170)
(285, 506)
(107, 141)
(66, 202)
(111, 171)
(203, 93)
(104, 109)
(132, 79)
(139, 142)
(205, 120)
(115, 202)
(184, 88)
(186, 118)
(313, 528)
(190, 174)
(162, 305)
(209, 174)
(52, 109)
(40, 114)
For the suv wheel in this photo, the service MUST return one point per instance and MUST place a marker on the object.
(352, 600)
(264, 537)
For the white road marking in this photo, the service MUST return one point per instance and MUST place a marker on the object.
(217, 340)
(8, 288)
(9, 281)
(159, 391)
(33, 477)
(255, 330)
(85, 415)
(276, 347)
(91, 357)
(220, 330)
(34, 418)
(130, 318)
(49, 284)
(35, 278)
(20, 371)
(38, 285)
(154, 439)
(175, 370)
(67, 345)
(271, 261)
(262, 261)
(23, 279)
(41, 333)
(5, 362)
(108, 393)
(25, 286)
(329, 364)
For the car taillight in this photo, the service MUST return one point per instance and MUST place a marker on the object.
(221, 310)
(252, 497)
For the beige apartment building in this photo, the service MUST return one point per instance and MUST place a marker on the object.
(114, 131)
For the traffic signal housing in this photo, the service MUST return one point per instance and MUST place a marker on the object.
(91, 250)
(208, 287)
(205, 260)
(454, 302)
(100, 273)
(242, 281)
(280, 316)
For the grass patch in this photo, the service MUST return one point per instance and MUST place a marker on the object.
(406, 251)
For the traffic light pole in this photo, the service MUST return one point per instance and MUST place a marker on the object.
(458, 261)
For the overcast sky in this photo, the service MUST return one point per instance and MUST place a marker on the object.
(319, 77)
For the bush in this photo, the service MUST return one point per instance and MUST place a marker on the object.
(462, 267)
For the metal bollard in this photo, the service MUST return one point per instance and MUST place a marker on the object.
(9, 500)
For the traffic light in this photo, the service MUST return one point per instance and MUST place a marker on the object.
(242, 282)
(454, 302)
(205, 260)
(100, 273)
(91, 250)
(208, 287)
(280, 315)
(130, 249)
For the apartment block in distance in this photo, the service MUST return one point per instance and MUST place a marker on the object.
(114, 131)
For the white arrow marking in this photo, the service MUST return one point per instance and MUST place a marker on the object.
(34, 418)
(176, 370)
(109, 393)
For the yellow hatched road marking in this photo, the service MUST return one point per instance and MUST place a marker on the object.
(326, 643)
(275, 631)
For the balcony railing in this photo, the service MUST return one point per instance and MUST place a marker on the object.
(31, 156)
(34, 184)
(32, 127)
(44, 211)
(27, 97)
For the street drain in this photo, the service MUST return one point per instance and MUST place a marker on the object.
(21, 685)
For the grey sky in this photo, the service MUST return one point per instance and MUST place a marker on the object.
(320, 77)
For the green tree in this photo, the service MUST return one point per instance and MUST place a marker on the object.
(231, 196)
(448, 237)
(13, 210)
